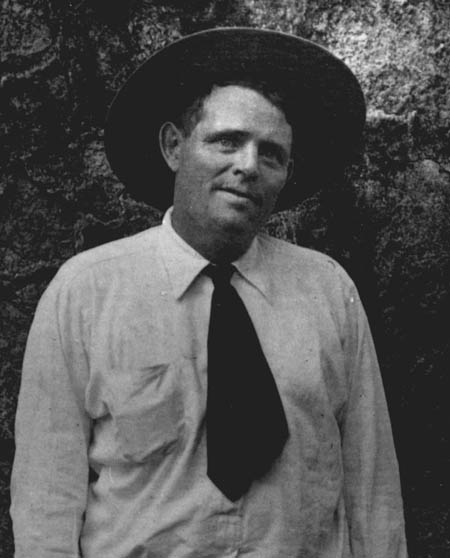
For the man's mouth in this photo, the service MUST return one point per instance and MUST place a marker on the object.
(240, 193)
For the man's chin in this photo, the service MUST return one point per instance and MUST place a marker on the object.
(238, 216)
(237, 227)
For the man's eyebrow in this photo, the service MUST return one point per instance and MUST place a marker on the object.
(226, 132)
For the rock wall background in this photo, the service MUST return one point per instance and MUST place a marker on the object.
(388, 223)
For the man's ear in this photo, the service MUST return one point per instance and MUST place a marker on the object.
(170, 140)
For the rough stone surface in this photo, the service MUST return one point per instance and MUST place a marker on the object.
(387, 222)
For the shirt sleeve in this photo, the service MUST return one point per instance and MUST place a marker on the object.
(371, 479)
(50, 472)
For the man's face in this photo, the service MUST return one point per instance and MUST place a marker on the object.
(231, 168)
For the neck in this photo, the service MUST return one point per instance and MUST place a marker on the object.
(216, 246)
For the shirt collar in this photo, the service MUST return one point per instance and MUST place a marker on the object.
(184, 264)
(252, 268)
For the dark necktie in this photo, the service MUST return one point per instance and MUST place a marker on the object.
(245, 421)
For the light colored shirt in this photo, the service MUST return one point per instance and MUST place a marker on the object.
(115, 378)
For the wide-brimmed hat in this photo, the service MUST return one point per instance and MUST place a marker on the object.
(325, 105)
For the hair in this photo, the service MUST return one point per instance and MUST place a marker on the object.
(192, 113)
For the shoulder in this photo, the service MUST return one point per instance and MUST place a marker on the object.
(304, 263)
(314, 281)
(110, 259)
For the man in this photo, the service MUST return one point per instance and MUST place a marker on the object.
(221, 385)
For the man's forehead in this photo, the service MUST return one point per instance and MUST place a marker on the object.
(237, 106)
(230, 97)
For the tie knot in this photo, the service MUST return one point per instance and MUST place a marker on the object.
(220, 273)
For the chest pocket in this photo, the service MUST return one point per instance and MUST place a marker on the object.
(147, 412)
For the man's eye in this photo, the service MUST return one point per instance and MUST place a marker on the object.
(228, 142)
(271, 154)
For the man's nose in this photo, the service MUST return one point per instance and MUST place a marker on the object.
(247, 160)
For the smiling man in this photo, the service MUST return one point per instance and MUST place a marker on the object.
(202, 389)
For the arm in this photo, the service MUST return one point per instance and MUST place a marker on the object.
(50, 473)
(372, 485)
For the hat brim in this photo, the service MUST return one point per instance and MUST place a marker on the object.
(326, 105)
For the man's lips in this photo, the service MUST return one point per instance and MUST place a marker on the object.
(240, 193)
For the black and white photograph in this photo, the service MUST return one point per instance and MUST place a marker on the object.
(224, 279)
